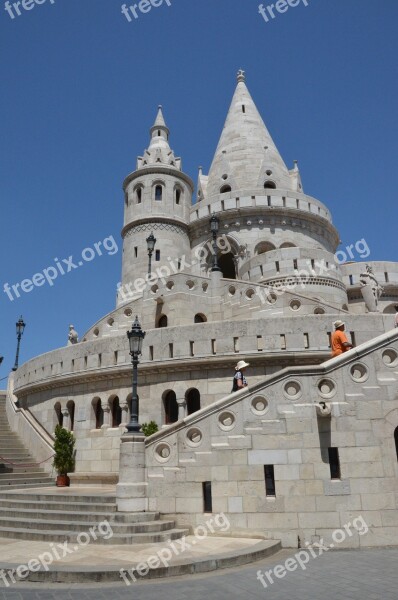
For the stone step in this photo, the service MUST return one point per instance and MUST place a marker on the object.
(62, 506)
(70, 499)
(27, 475)
(75, 516)
(26, 486)
(14, 469)
(49, 525)
(18, 483)
(72, 536)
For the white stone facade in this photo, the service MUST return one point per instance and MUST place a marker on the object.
(275, 304)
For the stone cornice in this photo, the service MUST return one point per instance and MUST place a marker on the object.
(123, 372)
(156, 170)
(151, 221)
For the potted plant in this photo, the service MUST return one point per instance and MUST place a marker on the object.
(149, 428)
(64, 457)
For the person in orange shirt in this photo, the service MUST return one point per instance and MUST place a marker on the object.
(340, 342)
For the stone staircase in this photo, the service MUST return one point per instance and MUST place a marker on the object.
(55, 517)
(14, 474)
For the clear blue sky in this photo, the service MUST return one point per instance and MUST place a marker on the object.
(79, 91)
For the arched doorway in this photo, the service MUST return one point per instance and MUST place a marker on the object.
(193, 401)
(226, 262)
(162, 321)
(98, 413)
(59, 417)
(71, 410)
(170, 408)
(116, 411)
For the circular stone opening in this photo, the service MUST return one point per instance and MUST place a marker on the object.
(250, 293)
(327, 388)
(194, 436)
(295, 304)
(319, 311)
(232, 290)
(225, 177)
(170, 285)
(292, 389)
(162, 452)
(269, 173)
(154, 289)
(272, 298)
(259, 406)
(128, 312)
(359, 372)
(110, 322)
(190, 284)
(96, 332)
(390, 357)
(226, 420)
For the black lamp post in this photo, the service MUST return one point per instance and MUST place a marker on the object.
(150, 242)
(135, 337)
(20, 329)
(215, 226)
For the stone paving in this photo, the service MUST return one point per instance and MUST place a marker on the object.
(341, 575)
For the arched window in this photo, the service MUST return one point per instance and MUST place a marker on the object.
(170, 408)
(396, 440)
(226, 263)
(178, 194)
(269, 185)
(162, 321)
(159, 193)
(200, 318)
(138, 194)
(59, 417)
(225, 189)
(287, 245)
(71, 410)
(116, 412)
(193, 401)
(98, 413)
(264, 247)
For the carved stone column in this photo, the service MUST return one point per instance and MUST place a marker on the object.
(125, 414)
(182, 408)
(66, 419)
(107, 417)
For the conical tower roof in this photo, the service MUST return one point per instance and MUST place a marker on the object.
(246, 156)
(159, 152)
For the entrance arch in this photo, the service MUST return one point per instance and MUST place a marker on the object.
(170, 407)
(193, 400)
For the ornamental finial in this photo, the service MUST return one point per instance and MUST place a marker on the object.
(241, 76)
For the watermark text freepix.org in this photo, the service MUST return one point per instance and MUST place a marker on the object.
(164, 556)
(62, 267)
(281, 6)
(314, 550)
(56, 552)
(14, 8)
(143, 7)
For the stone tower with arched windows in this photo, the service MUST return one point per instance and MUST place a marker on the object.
(281, 287)
(158, 198)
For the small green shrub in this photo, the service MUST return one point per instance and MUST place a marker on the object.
(64, 459)
(149, 428)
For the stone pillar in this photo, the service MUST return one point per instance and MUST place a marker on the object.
(182, 407)
(107, 417)
(125, 414)
(131, 491)
(66, 419)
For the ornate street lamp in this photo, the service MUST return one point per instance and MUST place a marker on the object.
(150, 242)
(135, 337)
(215, 226)
(20, 326)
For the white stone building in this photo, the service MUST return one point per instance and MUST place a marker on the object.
(319, 435)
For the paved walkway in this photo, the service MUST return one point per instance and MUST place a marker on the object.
(339, 575)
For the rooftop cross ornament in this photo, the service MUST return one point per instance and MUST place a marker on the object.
(241, 75)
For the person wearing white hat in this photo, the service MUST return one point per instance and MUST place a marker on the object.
(340, 342)
(239, 381)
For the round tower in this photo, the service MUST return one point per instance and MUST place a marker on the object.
(158, 198)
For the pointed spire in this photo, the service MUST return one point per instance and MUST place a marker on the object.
(159, 151)
(246, 149)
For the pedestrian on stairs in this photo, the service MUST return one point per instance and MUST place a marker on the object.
(340, 342)
(239, 381)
